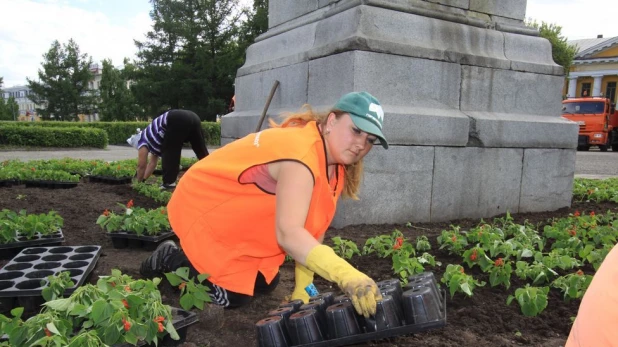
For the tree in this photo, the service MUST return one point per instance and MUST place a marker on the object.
(189, 58)
(9, 108)
(116, 100)
(562, 53)
(63, 83)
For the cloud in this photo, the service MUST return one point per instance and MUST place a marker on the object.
(579, 19)
(28, 29)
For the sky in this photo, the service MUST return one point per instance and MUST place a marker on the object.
(105, 29)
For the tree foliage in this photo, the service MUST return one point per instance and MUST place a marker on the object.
(63, 83)
(116, 100)
(8, 109)
(562, 53)
(188, 59)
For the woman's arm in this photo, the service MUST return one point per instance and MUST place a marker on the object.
(142, 162)
(152, 165)
(294, 190)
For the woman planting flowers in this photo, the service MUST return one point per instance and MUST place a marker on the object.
(285, 182)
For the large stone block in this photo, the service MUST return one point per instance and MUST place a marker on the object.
(515, 9)
(504, 91)
(475, 182)
(547, 179)
(396, 188)
(521, 130)
(420, 97)
(530, 54)
(281, 11)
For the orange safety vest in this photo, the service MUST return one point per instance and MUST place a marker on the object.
(597, 318)
(227, 229)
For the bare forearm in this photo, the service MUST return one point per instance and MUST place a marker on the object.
(297, 243)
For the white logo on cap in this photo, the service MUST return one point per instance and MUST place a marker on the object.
(378, 111)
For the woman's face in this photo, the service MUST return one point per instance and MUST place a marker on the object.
(346, 143)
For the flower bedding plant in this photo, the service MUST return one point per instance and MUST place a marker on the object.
(153, 191)
(52, 175)
(135, 220)
(192, 293)
(114, 170)
(117, 310)
(18, 226)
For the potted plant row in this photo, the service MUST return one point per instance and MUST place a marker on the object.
(136, 226)
(21, 230)
(117, 311)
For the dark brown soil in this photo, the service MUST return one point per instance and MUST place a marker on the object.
(482, 320)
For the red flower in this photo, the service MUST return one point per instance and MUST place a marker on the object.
(499, 262)
(160, 328)
(33, 169)
(576, 214)
(473, 256)
(454, 238)
(127, 289)
(125, 303)
(182, 285)
(573, 232)
(398, 243)
(163, 211)
(461, 270)
(118, 167)
(580, 273)
(130, 203)
(113, 284)
(159, 319)
(47, 332)
(592, 214)
(127, 324)
(106, 212)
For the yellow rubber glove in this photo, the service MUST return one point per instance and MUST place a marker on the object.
(303, 277)
(361, 289)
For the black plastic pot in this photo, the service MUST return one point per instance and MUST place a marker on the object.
(123, 239)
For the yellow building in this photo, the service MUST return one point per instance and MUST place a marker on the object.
(594, 71)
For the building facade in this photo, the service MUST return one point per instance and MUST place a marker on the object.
(594, 71)
(27, 108)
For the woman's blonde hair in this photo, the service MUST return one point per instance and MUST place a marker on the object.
(353, 172)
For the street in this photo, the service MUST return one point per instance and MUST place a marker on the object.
(596, 164)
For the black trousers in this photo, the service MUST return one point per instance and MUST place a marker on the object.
(182, 126)
(220, 295)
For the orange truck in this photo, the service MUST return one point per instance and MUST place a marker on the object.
(598, 122)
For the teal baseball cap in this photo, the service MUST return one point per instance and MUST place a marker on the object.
(366, 113)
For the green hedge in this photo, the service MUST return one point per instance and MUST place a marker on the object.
(119, 132)
(47, 137)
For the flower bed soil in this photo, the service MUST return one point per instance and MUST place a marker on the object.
(482, 320)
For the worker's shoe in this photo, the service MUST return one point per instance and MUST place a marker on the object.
(156, 264)
(170, 186)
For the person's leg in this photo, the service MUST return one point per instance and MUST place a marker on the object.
(175, 134)
(196, 137)
(168, 258)
(261, 287)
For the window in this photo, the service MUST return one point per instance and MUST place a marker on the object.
(583, 108)
(610, 92)
(586, 89)
(22, 94)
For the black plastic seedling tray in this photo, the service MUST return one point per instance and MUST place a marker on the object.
(110, 180)
(9, 250)
(181, 320)
(123, 239)
(9, 183)
(328, 321)
(50, 184)
(23, 278)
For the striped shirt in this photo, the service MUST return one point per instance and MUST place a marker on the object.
(152, 136)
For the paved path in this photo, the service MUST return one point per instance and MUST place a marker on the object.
(109, 154)
(593, 164)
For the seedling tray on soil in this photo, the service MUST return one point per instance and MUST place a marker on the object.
(110, 180)
(50, 184)
(9, 250)
(332, 321)
(9, 183)
(123, 239)
(181, 320)
(23, 278)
